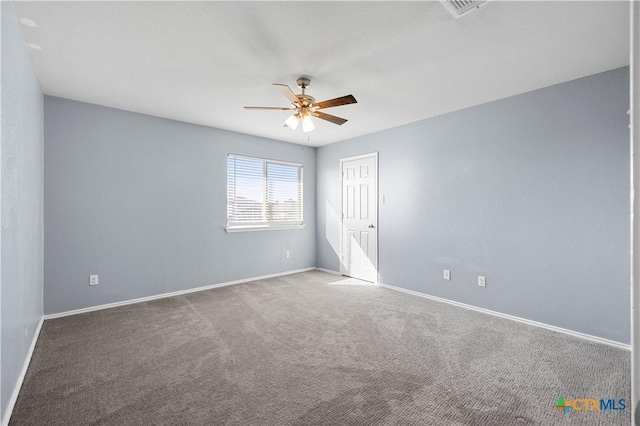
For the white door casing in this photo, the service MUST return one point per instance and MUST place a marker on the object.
(359, 231)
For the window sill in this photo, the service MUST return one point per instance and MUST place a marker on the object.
(261, 228)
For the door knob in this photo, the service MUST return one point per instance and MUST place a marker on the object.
(371, 226)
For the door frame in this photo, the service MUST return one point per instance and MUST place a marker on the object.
(374, 154)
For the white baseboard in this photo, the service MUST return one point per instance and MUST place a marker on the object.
(513, 318)
(171, 294)
(329, 271)
(23, 373)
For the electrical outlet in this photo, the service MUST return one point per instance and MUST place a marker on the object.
(446, 275)
(93, 280)
(287, 254)
(482, 281)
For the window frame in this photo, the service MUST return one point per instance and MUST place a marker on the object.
(266, 226)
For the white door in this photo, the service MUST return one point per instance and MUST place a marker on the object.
(359, 248)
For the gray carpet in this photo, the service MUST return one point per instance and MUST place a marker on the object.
(311, 349)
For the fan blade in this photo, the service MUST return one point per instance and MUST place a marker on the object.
(332, 118)
(344, 100)
(287, 92)
(271, 108)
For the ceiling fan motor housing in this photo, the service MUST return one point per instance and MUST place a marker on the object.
(306, 100)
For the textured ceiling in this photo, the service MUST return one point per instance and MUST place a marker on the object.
(200, 62)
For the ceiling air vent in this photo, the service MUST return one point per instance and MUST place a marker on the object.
(459, 8)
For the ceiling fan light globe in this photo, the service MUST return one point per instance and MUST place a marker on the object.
(307, 124)
(292, 122)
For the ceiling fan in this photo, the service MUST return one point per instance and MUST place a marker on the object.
(305, 106)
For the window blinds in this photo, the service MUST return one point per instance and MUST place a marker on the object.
(263, 192)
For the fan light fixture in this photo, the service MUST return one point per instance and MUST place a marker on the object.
(305, 106)
(307, 124)
(292, 122)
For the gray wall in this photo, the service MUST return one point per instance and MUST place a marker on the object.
(141, 201)
(531, 191)
(21, 206)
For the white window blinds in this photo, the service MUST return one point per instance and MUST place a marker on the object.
(263, 193)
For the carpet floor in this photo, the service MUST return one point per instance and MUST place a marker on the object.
(312, 349)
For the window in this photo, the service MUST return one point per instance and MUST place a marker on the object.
(263, 194)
